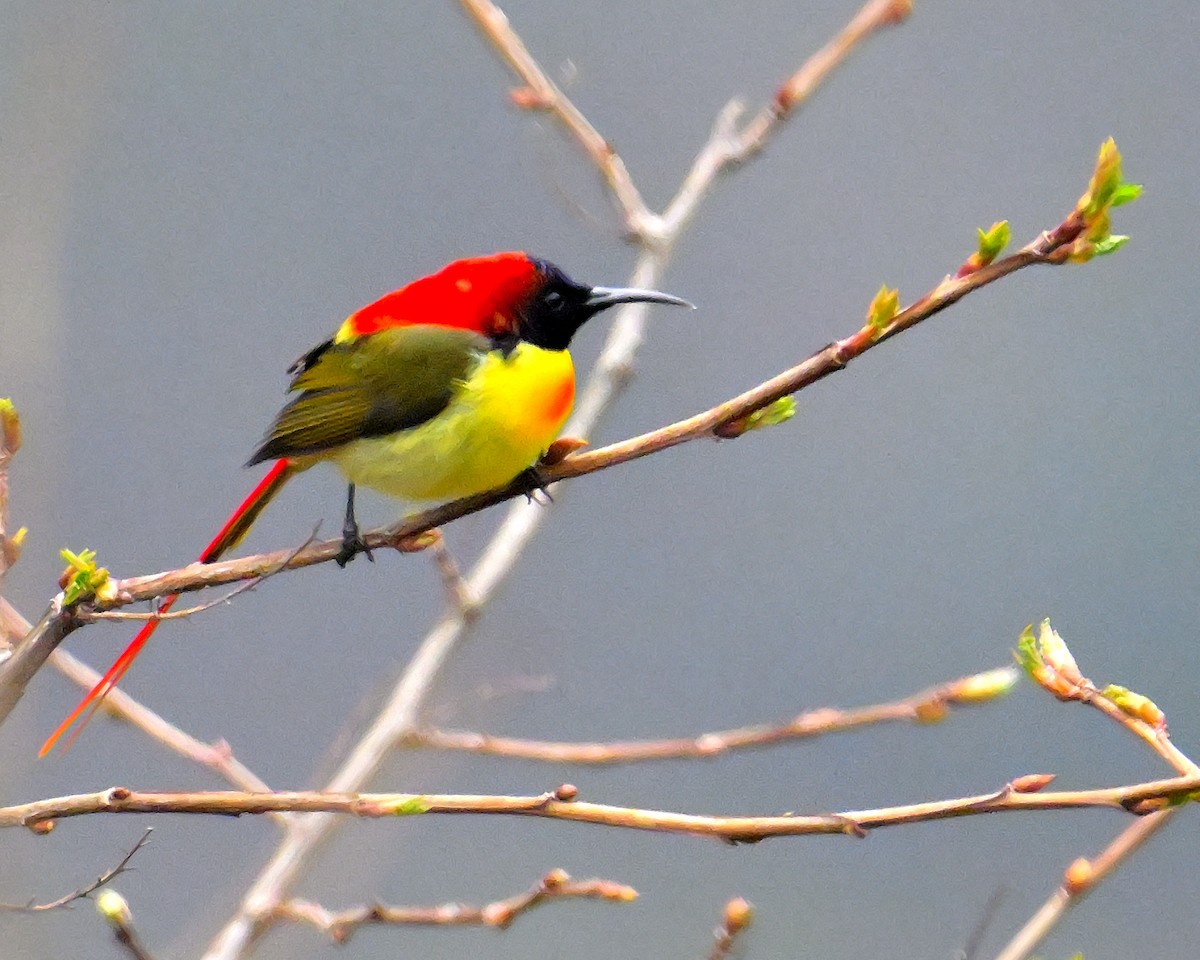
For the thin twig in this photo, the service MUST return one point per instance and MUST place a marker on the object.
(159, 614)
(83, 892)
(556, 885)
(244, 587)
(1020, 794)
(1050, 663)
(217, 756)
(926, 707)
(543, 94)
(728, 146)
(127, 937)
(801, 85)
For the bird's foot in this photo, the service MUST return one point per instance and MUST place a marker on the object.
(352, 541)
(532, 483)
(352, 545)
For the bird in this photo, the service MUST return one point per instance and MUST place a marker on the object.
(454, 384)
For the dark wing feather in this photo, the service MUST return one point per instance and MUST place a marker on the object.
(369, 387)
(308, 360)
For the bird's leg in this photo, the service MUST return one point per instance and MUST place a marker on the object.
(352, 541)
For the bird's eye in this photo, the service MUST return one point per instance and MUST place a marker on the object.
(553, 301)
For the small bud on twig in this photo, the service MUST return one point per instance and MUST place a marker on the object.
(738, 915)
(983, 687)
(931, 711)
(557, 877)
(1049, 662)
(560, 449)
(1078, 877)
(1032, 782)
(1136, 705)
(114, 908)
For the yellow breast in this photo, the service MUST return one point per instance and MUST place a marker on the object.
(501, 419)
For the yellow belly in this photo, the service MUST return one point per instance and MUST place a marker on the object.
(502, 418)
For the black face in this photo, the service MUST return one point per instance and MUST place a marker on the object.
(561, 306)
(558, 309)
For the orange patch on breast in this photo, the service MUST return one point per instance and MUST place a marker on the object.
(559, 400)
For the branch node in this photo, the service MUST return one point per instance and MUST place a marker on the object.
(529, 98)
(555, 879)
(1146, 806)
(852, 828)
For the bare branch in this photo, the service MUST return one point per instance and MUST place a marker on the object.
(541, 93)
(926, 707)
(160, 614)
(244, 587)
(801, 85)
(1023, 793)
(83, 892)
(500, 914)
(728, 146)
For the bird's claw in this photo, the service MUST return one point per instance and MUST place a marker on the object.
(352, 541)
(352, 545)
(532, 483)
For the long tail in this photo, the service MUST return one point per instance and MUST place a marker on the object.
(229, 536)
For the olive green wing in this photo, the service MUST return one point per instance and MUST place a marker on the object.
(368, 387)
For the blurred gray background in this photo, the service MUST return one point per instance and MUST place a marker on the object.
(190, 196)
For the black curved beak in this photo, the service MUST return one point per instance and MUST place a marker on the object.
(601, 298)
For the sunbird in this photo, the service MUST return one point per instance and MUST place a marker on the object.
(452, 385)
